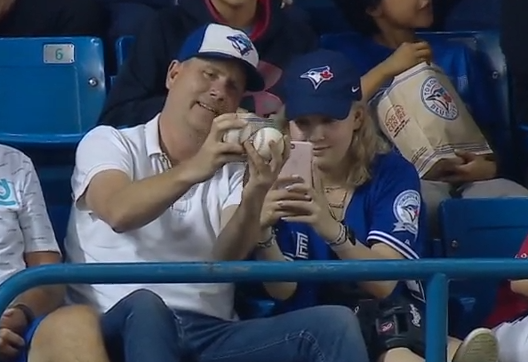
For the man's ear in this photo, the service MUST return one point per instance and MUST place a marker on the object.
(172, 72)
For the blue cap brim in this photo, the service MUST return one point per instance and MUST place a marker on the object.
(254, 80)
(337, 108)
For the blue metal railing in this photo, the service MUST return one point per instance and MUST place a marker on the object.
(437, 273)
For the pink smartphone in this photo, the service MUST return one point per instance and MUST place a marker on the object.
(300, 161)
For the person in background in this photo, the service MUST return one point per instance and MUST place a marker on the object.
(390, 46)
(278, 32)
(171, 190)
(52, 18)
(513, 26)
(362, 203)
(509, 318)
(35, 327)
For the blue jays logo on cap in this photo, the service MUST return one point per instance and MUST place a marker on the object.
(241, 43)
(438, 100)
(318, 75)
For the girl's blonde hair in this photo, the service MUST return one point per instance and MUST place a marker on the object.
(366, 144)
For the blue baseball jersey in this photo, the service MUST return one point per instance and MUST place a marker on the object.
(387, 209)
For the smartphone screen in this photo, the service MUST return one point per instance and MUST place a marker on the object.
(300, 161)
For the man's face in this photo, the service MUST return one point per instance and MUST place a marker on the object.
(202, 89)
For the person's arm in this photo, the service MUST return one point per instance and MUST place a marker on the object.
(241, 216)
(139, 91)
(405, 57)
(40, 245)
(240, 222)
(269, 250)
(103, 183)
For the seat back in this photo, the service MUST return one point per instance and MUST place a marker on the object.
(123, 46)
(474, 15)
(51, 90)
(481, 228)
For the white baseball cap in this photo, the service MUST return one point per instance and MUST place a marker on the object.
(223, 42)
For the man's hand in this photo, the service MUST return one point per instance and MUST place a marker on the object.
(263, 174)
(474, 168)
(407, 56)
(10, 344)
(214, 153)
(15, 320)
(5, 7)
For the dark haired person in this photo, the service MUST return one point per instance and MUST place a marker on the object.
(279, 32)
(390, 46)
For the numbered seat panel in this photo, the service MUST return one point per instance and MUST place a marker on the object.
(51, 89)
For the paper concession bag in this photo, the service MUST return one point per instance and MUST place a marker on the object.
(422, 114)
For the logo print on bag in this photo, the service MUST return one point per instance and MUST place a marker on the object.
(318, 75)
(438, 100)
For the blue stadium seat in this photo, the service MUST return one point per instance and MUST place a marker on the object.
(52, 89)
(123, 46)
(474, 15)
(481, 228)
(59, 215)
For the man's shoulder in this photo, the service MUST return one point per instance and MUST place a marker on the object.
(12, 160)
(109, 134)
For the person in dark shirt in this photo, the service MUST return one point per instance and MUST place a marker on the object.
(37, 18)
(389, 46)
(278, 34)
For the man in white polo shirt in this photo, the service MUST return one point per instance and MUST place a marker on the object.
(34, 328)
(171, 191)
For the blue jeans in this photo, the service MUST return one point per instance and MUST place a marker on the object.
(142, 328)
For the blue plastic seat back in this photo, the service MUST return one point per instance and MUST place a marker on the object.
(51, 90)
(123, 46)
(481, 228)
(59, 215)
(474, 15)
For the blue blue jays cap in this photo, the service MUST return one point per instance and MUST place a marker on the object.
(223, 42)
(322, 82)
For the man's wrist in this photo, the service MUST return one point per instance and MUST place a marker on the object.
(255, 193)
(185, 174)
(28, 313)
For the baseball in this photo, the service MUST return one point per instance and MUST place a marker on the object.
(262, 139)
